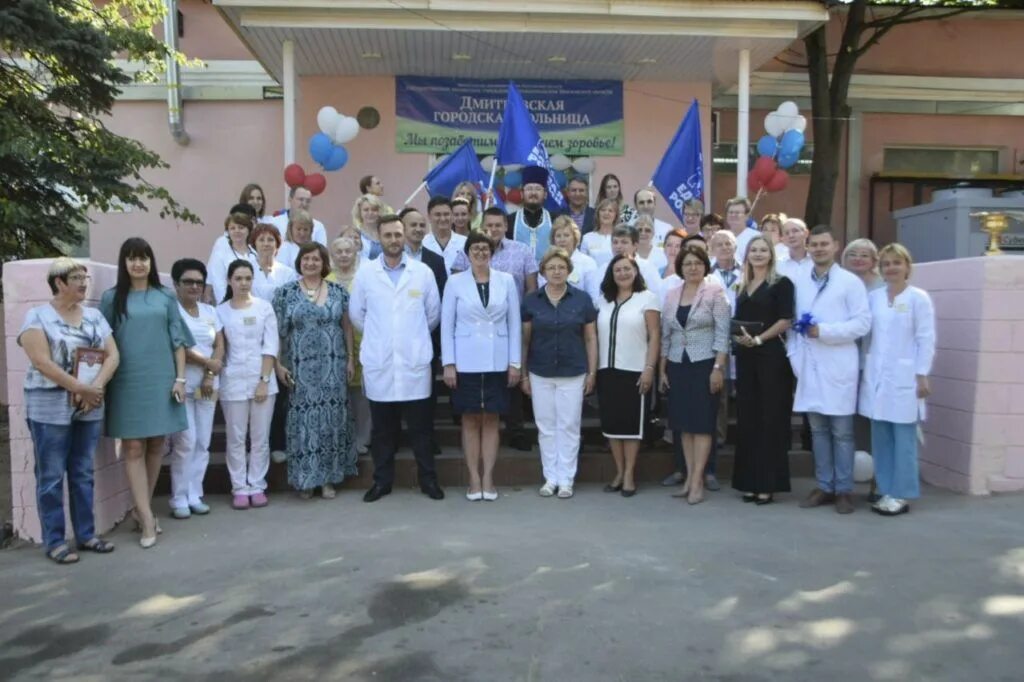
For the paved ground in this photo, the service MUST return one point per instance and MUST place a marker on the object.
(595, 588)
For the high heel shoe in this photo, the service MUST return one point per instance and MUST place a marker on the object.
(695, 497)
(475, 497)
(146, 543)
(609, 488)
(138, 522)
(749, 497)
(761, 501)
(684, 490)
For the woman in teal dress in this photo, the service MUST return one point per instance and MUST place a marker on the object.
(146, 397)
(316, 362)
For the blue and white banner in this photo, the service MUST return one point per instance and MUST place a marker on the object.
(680, 175)
(575, 118)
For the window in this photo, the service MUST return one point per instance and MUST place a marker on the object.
(954, 161)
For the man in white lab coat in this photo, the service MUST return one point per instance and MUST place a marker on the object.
(825, 361)
(395, 303)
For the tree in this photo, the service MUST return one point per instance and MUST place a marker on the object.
(57, 158)
(830, 73)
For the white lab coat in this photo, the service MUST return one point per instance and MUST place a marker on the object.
(221, 257)
(396, 320)
(826, 367)
(281, 223)
(249, 334)
(478, 339)
(902, 347)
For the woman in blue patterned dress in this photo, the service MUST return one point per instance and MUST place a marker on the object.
(316, 362)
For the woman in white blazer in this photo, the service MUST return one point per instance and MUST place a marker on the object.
(895, 380)
(248, 386)
(480, 350)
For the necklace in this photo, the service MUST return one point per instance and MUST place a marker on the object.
(312, 294)
(556, 299)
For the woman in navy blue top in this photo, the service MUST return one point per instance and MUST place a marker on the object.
(559, 367)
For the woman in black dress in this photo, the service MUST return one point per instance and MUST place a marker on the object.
(764, 380)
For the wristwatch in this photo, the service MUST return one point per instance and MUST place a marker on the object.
(717, 366)
(265, 379)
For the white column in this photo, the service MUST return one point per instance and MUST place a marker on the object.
(743, 125)
(854, 142)
(288, 83)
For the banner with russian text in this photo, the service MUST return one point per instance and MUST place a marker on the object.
(575, 118)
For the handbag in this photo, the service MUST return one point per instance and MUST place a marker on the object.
(753, 328)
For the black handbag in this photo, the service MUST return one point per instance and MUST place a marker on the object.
(753, 328)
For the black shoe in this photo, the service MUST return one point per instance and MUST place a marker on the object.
(609, 488)
(435, 448)
(433, 491)
(761, 501)
(628, 493)
(375, 493)
(749, 497)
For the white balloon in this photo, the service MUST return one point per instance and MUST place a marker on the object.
(799, 124)
(863, 467)
(585, 165)
(560, 162)
(487, 163)
(345, 130)
(788, 109)
(327, 120)
(775, 124)
(513, 166)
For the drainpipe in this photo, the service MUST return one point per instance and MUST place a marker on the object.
(174, 104)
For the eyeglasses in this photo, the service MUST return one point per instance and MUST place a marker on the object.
(480, 249)
(191, 282)
(79, 278)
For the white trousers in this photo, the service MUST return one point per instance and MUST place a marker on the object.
(557, 410)
(361, 415)
(248, 473)
(190, 453)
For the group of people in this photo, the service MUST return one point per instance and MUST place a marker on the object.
(317, 352)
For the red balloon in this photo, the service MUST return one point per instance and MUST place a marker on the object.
(294, 176)
(500, 191)
(315, 183)
(754, 183)
(777, 182)
(764, 168)
(514, 196)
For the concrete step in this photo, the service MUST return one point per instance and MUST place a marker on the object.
(514, 468)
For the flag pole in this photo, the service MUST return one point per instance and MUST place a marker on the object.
(490, 185)
(413, 195)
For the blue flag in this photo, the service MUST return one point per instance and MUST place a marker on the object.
(461, 165)
(519, 142)
(680, 175)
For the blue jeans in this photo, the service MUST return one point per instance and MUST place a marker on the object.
(832, 442)
(60, 449)
(894, 447)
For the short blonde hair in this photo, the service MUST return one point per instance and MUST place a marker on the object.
(294, 217)
(61, 268)
(553, 253)
(613, 203)
(357, 208)
(865, 244)
(899, 251)
(738, 201)
(564, 222)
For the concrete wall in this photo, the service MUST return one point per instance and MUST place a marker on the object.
(974, 433)
(25, 287)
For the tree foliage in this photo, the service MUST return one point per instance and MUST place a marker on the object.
(58, 79)
(830, 70)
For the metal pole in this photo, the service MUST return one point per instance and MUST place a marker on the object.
(288, 78)
(743, 125)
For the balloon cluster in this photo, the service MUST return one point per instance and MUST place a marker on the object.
(563, 168)
(326, 149)
(778, 149)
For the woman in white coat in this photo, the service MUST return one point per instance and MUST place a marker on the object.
(247, 385)
(232, 246)
(481, 352)
(895, 379)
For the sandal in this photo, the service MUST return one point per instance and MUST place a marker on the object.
(62, 554)
(97, 545)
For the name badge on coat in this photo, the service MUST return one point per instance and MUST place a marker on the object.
(415, 293)
(249, 321)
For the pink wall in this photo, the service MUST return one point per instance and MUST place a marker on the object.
(25, 287)
(206, 34)
(233, 143)
(974, 433)
(650, 124)
(965, 46)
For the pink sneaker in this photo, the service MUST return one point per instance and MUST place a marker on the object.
(240, 501)
(259, 500)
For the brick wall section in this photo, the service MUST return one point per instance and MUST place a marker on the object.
(974, 434)
(25, 287)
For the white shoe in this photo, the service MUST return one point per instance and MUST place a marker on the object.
(891, 506)
(279, 456)
(475, 497)
(547, 490)
(565, 491)
(490, 495)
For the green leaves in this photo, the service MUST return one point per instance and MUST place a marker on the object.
(58, 79)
